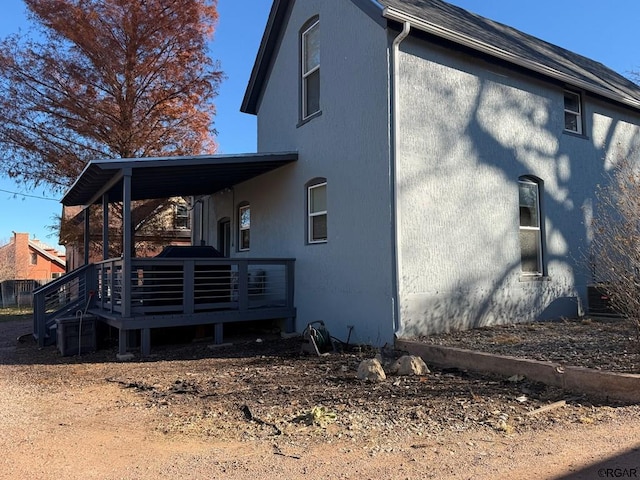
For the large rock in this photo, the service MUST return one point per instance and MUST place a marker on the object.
(371, 371)
(409, 365)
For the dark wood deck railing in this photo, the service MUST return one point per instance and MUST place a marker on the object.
(161, 286)
(170, 292)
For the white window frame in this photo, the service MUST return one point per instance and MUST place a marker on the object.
(181, 215)
(539, 272)
(306, 74)
(575, 114)
(312, 214)
(242, 228)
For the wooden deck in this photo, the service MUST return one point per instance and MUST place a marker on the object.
(170, 292)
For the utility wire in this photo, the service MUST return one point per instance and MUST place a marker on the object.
(30, 196)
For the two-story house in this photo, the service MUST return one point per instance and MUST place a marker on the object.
(447, 165)
(437, 169)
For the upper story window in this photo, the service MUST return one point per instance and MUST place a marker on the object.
(572, 112)
(530, 227)
(317, 211)
(244, 227)
(34, 258)
(181, 217)
(310, 85)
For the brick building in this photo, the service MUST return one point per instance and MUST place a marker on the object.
(24, 258)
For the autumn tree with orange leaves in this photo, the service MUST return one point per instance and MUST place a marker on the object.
(106, 79)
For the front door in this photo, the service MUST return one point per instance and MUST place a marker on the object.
(224, 236)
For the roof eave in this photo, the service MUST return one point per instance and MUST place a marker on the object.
(396, 15)
(263, 58)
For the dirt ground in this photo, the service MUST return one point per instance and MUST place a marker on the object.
(260, 409)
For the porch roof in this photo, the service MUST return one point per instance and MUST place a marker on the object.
(163, 177)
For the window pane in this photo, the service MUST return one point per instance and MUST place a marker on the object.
(244, 239)
(311, 41)
(245, 217)
(182, 217)
(530, 251)
(570, 121)
(571, 102)
(318, 200)
(312, 93)
(319, 228)
(529, 205)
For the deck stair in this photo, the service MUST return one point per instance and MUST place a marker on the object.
(63, 297)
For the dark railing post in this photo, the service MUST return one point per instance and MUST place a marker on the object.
(291, 282)
(243, 285)
(188, 285)
(39, 317)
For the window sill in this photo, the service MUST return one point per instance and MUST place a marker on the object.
(575, 134)
(309, 118)
(534, 278)
(322, 242)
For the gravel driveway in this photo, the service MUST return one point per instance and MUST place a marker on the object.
(260, 408)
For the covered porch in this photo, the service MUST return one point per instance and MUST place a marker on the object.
(190, 286)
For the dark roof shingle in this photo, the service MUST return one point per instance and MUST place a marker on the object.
(513, 45)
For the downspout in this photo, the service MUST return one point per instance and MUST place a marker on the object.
(395, 209)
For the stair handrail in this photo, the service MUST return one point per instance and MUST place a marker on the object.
(41, 318)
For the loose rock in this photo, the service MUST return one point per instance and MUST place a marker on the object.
(409, 365)
(371, 371)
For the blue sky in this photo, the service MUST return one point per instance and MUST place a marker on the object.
(601, 30)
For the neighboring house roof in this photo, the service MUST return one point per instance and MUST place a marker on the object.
(469, 30)
(46, 251)
(165, 177)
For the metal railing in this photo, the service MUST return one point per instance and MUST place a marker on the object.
(61, 297)
(194, 285)
(166, 288)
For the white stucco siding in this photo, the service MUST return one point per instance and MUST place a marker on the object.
(469, 130)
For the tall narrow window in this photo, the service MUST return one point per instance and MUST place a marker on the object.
(181, 217)
(310, 87)
(244, 227)
(572, 112)
(530, 231)
(317, 212)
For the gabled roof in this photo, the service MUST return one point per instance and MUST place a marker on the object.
(506, 43)
(469, 30)
(165, 177)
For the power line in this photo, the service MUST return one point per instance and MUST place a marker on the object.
(30, 196)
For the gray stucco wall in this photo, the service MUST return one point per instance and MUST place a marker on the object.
(469, 130)
(348, 280)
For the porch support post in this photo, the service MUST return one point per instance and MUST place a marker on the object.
(127, 239)
(105, 226)
(217, 333)
(122, 341)
(87, 233)
(145, 341)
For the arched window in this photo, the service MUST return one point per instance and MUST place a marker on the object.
(317, 210)
(530, 226)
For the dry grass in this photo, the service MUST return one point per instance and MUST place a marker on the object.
(9, 314)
